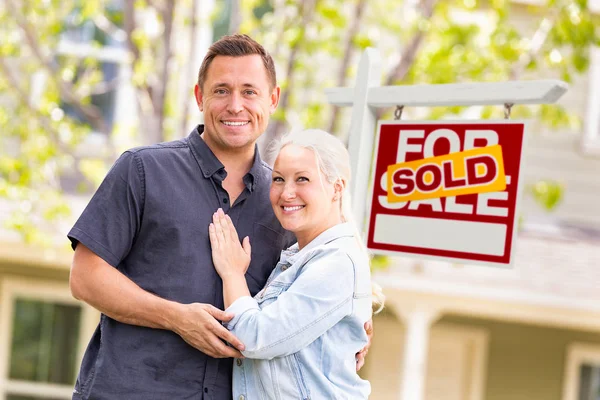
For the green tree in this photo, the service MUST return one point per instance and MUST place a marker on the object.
(48, 104)
(52, 95)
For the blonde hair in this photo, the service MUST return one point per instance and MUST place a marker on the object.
(333, 160)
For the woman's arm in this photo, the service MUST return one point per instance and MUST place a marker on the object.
(320, 297)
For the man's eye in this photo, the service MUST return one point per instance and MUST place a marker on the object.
(220, 91)
(250, 92)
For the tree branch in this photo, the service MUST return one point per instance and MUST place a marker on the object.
(537, 42)
(153, 4)
(24, 98)
(129, 27)
(348, 51)
(235, 18)
(279, 15)
(163, 83)
(189, 66)
(109, 28)
(411, 50)
(276, 129)
(91, 112)
(145, 98)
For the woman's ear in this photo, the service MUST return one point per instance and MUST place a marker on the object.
(338, 186)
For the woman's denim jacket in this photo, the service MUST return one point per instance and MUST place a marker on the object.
(303, 329)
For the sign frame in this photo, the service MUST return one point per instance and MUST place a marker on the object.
(454, 260)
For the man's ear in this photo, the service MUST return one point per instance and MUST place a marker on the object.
(275, 98)
(198, 95)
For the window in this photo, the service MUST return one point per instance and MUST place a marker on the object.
(582, 372)
(40, 335)
(85, 39)
(104, 98)
(591, 137)
(589, 383)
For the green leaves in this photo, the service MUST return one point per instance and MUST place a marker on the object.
(319, 40)
(547, 193)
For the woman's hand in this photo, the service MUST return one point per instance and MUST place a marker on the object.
(229, 256)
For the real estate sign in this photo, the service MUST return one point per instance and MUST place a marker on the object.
(446, 190)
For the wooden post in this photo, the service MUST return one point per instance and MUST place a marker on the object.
(362, 129)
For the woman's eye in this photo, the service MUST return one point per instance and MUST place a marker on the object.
(277, 179)
(302, 179)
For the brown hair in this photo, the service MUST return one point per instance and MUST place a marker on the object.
(237, 45)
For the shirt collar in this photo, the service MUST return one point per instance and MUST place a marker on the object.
(293, 253)
(210, 164)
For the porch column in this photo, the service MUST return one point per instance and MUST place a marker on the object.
(417, 323)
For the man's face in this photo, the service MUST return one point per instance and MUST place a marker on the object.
(236, 101)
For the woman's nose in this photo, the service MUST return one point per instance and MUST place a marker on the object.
(289, 192)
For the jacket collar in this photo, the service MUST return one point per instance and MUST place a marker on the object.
(293, 253)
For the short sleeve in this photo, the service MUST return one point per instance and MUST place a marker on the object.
(110, 222)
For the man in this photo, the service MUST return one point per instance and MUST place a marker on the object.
(142, 254)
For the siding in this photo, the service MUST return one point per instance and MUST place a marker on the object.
(557, 156)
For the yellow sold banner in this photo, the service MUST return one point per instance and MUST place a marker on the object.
(478, 170)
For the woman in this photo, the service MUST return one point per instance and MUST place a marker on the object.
(302, 330)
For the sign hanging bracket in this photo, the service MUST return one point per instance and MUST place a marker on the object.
(398, 112)
(507, 109)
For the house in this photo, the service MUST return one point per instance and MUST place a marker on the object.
(455, 331)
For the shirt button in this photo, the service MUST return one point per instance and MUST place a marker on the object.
(224, 201)
(241, 397)
(284, 267)
(205, 390)
(238, 362)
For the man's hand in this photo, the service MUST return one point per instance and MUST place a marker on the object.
(199, 326)
(360, 356)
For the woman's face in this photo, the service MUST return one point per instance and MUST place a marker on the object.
(302, 199)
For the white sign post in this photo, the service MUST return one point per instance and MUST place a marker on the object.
(366, 97)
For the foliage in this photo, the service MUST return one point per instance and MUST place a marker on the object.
(51, 95)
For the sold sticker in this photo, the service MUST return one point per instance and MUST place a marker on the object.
(478, 170)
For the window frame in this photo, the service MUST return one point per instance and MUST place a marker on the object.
(123, 92)
(591, 135)
(39, 290)
(577, 355)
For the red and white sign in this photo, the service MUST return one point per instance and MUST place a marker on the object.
(412, 162)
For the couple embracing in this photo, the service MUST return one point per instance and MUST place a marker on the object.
(180, 231)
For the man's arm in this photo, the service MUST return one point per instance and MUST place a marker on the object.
(361, 355)
(97, 283)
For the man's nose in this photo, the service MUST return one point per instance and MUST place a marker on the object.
(235, 104)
